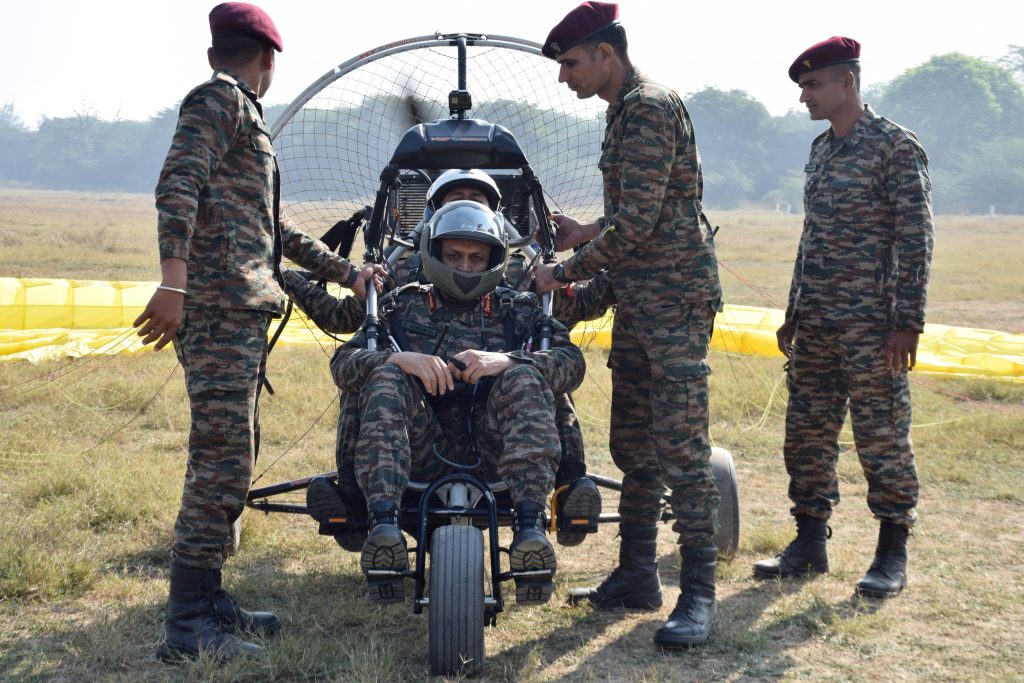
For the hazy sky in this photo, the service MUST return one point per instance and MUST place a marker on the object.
(131, 58)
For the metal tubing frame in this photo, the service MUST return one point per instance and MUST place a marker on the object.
(388, 49)
(422, 542)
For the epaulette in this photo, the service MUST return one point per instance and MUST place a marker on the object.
(227, 78)
(650, 93)
(893, 130)
(215, 79)
(820, 137)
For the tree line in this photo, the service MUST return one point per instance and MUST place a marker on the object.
(967, 112)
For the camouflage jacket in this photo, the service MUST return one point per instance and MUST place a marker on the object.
(215, 203)
(585, 300)
(416, 314)
(865, 252)
(655, 240)
(328, 312)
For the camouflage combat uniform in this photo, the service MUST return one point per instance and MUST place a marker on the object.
(216, 201)
(658, 249)
(862, 270)
(586, 300)
(346, 315)
(403, 430)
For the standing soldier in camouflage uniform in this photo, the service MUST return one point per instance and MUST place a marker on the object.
(657, 246)
(856, 309)
(451, 387)
(221, 239)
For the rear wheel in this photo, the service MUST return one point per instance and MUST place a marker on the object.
(728, 537)
(456, 620)
(234, 537)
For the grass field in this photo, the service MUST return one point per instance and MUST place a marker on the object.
(92, 454)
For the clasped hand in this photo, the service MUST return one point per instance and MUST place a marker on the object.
(438, 376)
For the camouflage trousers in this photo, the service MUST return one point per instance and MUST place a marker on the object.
(570, 435)
(224, 355)
(831, 369)
(401, 435)
(659, 417)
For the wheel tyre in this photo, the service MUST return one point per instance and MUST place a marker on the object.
(234, 537)
(728, 537)
(456, 607)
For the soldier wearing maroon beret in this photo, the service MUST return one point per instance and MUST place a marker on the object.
(655, 243)
(856, 308)
(221, 237)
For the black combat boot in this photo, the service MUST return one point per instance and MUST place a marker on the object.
(805, 556)
(238, 620)
(634, 583)
(325, 502)
(578, 508)
(888, 573)
(385, 556)
(531, 551)
(693, 618)
(192, 623)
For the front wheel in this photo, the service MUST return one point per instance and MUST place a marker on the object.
(456, 606)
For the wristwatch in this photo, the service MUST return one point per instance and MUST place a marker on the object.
(559, 274)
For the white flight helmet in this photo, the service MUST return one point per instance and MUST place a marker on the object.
(459, 176)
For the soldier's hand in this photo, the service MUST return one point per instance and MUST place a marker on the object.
(544, 281)
(478, 364)
(571, 232)
(160, 320)
(375, 271)
(784, 336)
(901, 350)
(432, 371)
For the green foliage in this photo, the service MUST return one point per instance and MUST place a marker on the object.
(952, 101)
(1014, 61)
(967, 112)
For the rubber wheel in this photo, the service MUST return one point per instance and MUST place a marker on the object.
(728, 537)
(234, 537)
(456, 620)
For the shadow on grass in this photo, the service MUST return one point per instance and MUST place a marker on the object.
(742, 645)
(329, 632)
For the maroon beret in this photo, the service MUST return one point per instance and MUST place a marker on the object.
(240, 19)
(578, 25)
(835, 50)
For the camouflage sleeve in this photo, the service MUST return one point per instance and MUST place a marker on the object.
(794, 283)
(587, 300)
(312, 254)
(562, 366)
(208, 123)
(909, 189)
(645, 167)
(330, 313)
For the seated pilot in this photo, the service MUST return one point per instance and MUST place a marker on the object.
(460, 392)
(577, 497)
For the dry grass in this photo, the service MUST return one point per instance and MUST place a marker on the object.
(85, 528)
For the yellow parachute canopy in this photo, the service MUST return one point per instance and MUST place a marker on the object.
(47, 319)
